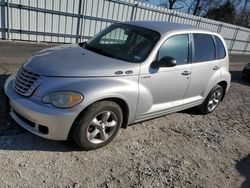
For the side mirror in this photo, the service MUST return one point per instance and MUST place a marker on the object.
(165, 61)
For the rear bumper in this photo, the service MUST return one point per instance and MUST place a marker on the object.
(45, 121)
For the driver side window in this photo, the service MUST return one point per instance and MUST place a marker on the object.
(175, 47)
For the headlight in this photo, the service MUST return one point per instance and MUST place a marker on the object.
(63, 99)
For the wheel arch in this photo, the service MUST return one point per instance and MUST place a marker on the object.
(123, 105)
(121, 102)
(223, 84)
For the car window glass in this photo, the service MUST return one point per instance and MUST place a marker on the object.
(116, 36)
(221, 52)
(204, 49)
(124, 42)
(175, 47)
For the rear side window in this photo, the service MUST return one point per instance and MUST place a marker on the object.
(204, 48)
(175, 47)
(221, 52)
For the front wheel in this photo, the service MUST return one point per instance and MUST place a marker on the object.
(98, 126)
(212, 100)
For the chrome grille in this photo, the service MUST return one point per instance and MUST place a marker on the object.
(26, 82)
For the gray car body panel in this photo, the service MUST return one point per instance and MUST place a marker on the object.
(147, 92)
(75, 61)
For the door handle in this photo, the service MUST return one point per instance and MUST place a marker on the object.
(216, 68)
(186, 73)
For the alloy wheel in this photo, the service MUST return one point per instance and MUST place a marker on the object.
(214, 100)
(102, 127)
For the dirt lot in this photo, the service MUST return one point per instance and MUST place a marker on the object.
(183, 149)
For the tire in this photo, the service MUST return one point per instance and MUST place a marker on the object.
(98, 125)
(4, 101)
(212, 100)
(244, 76)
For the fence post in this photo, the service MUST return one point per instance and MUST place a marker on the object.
(79, 21)
(82, 22)
(134, 10)
(233, 40)
(170, 18)
(8, 20)
(3, 24)
(219, 28)
(246, 45)
(198, 22)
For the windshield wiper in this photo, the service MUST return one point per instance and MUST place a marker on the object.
(100, 51)
(94, 49)
(83, 44)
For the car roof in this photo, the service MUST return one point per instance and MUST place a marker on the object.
(164, 27)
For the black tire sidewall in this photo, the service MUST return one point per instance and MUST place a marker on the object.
(216, 88)
(4, 101)
(82, 123)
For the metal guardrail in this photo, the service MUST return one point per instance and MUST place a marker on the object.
(69, 21)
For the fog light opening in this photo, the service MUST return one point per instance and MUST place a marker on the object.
(43, 129)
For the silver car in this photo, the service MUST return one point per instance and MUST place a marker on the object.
(129, 72)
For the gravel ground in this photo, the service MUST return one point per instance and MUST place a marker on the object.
(182, 149)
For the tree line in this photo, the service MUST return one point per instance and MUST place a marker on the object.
(231, 11)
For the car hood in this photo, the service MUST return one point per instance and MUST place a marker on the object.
(75, 61)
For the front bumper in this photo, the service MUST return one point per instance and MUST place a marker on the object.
(42, 120)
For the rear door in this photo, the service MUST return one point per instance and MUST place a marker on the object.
(205, 67)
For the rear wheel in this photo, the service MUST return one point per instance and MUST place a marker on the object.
(212, 100)
(98, 126)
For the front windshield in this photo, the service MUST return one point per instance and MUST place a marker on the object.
(124, 42)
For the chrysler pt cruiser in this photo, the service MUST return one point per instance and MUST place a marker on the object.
(127, 73)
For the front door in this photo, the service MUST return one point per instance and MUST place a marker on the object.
(163, 88)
